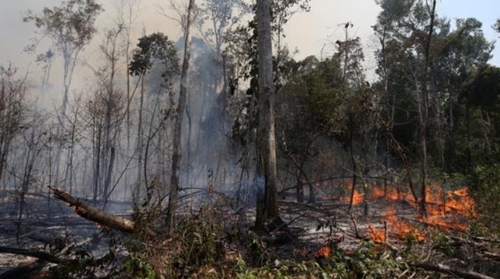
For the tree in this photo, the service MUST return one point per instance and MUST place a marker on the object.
(423, 110)
(12, 111)
(307, 110)
(71, 28)
(153, 48)
(267, 195)
(496, 26)
(425, 66)
(481, 97)
(127, 15)
(406, 28)
(181, 107)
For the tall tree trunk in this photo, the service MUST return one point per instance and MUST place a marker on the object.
(300, 187)
(138, 192)
(423, 107)
(188, 146)
(181, 107)
(354, 169)
(97, 161)
(69, 168)
(267, 206)
(109, 173)
(69, 68)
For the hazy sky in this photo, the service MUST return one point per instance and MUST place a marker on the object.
(308, 32)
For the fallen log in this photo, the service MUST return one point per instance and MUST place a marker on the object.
(441, 268)
(92, 213)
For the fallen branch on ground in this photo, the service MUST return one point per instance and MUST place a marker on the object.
(95, 214)
(479, 238)
(448, 270)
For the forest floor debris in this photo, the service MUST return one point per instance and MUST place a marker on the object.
(378, 237)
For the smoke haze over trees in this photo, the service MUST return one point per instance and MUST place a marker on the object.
(213, 100)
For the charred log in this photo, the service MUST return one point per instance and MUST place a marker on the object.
(92, 213)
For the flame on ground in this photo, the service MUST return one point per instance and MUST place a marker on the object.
(325, 251)
(357, 197)
(393, 224)
(377, 235)
(445, 210)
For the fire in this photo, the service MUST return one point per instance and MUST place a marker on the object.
(445, 209)
(391, 193)
(358, 198)
(377, 193)
(400, 227)
(461, 202)
(378, 235)
(325, 251)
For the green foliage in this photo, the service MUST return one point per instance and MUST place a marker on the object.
(496, 26)
(367, 261)
(152, 47)
(372, 261)
(197, 241)
(484, 88)
(485, 186)
(137, 268)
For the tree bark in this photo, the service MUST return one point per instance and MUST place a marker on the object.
(423, 111)
(181, 107)
(138, 193)
(267, 205)
(93, 213)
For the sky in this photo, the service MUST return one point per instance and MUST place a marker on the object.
(310, 33)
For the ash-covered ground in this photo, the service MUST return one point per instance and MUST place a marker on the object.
(47, 223)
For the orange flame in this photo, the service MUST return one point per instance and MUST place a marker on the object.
(378, 235)
(325, 251)
(446, 210)
(401, 228)
(358, 198)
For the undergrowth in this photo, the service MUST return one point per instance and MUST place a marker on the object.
(211, 243)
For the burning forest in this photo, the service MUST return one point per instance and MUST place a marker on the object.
(188, 139)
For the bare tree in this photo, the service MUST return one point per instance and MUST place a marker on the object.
(12, 110)
(71, 28)
(34, 143)
(155, 47)
(181, 107)
(267, 205)
(127, 15)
